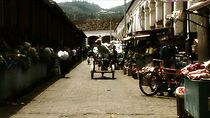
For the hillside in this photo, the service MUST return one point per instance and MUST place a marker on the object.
(88, 16)
(80, 10)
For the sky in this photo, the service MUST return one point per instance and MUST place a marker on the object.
(106, 4)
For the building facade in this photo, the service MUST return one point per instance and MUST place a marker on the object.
(189, 19)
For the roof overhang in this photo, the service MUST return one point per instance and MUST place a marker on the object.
(194, 10)
(149, 32)
(199, 5)
(141, 37)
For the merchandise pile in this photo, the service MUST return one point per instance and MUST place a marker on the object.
(197, 71)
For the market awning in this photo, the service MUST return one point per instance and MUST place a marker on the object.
(199, 5)
(156, 30)
(139, 37)
(153, 32)
(127, 38)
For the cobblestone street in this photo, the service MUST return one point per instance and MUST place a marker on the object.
(77, 96)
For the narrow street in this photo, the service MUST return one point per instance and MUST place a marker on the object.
(77, 96)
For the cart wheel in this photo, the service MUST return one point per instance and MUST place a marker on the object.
(149, 83)
(92, 75)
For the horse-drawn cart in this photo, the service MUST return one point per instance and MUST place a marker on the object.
(102, 65)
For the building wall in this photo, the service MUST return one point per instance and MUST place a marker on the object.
(40, 22)
(147, 14)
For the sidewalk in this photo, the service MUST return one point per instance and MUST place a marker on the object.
(78, 96)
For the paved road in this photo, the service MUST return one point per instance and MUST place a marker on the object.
(77, 96)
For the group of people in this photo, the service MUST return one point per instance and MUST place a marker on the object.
(23, 56)
(69, 57)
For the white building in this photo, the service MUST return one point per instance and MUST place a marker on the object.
(183, 16)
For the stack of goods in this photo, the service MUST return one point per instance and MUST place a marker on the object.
(197, 71)
(63, 55)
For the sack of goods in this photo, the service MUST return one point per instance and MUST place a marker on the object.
(63, 55)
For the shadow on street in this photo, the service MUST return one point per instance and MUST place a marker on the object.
(12, 105)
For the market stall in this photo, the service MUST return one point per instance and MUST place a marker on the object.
(197, 87)
(143, 47)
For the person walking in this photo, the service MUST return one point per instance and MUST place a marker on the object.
(63, 59)
(114, 56)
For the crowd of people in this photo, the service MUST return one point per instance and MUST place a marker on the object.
(25, 55)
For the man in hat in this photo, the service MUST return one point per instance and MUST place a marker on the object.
(103, 50)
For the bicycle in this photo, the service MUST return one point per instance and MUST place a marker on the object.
(160, 79)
